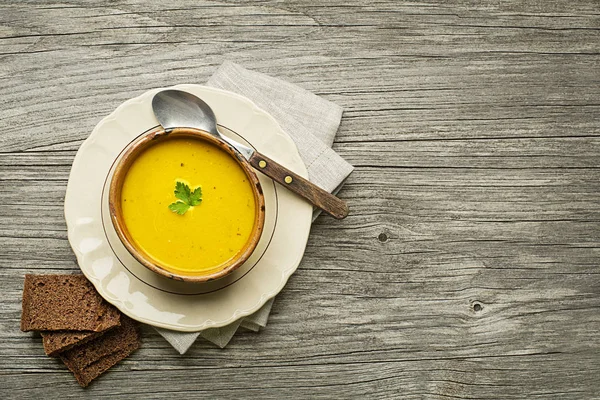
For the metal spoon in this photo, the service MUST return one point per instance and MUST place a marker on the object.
(179, 109)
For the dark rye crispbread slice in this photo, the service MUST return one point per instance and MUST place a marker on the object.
(59, 341)
(56, 342)
(97, 368)
(64, 302)
(108, 343)
(91, 359)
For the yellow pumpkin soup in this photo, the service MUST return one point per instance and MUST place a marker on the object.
(188, 205)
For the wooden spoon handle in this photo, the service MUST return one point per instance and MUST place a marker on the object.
(318, 197)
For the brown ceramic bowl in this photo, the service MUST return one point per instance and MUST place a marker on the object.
(130, 153)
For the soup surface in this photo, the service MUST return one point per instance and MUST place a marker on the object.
(206, 235)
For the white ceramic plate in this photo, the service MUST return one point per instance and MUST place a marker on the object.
(158, 301)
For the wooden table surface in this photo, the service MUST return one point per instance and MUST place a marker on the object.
(468, 268)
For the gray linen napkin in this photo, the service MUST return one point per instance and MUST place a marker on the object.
(312, 122)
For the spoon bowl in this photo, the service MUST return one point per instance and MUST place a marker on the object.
(179, 109)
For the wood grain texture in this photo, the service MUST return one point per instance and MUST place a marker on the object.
(316, 196)
(468, 268)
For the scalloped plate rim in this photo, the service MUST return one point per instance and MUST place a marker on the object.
(238, 313)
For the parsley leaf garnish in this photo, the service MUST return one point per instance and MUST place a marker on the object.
(187, 198)
(179, 207)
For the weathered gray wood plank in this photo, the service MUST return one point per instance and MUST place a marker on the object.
(468, 267)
